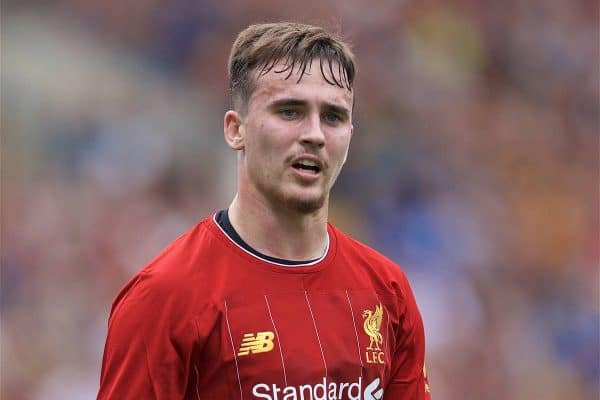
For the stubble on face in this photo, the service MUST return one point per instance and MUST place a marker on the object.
(305, 206)
(302, 205)
(265, 183)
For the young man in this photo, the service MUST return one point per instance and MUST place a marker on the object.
(266, 300)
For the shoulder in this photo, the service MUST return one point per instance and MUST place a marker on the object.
(383, 274)
(173, 273)
(367, 260)
(358, 250)
(180, 257)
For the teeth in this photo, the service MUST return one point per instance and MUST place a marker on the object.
(308, 163)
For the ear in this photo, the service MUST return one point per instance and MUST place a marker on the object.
(233, 130)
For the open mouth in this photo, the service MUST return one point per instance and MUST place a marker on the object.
(308, 166)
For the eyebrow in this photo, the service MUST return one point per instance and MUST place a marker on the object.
(287, 102)
(343, 112)
(291, 102)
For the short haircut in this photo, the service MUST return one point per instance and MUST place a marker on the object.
(260, 47)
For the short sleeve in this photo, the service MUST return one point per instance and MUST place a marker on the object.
(149, 345)
(409, 377)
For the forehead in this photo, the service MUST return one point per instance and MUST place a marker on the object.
(278, 83)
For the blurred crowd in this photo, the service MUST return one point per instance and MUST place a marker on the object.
(474, 165)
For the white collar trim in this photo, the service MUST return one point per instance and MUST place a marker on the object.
(318, 260)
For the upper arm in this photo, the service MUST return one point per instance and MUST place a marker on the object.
(409, 380)
(149, 346)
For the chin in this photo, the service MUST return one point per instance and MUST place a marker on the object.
(305, 204)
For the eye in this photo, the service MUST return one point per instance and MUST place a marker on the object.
(332, 118)
(288, 113)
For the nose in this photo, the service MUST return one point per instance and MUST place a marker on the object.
(313, 134)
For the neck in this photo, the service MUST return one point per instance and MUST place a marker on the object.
(279, 233)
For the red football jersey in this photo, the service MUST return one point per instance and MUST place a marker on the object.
(207, 319)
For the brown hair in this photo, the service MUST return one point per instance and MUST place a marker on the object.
(261, 46)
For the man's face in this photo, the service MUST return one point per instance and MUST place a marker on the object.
(295, 138)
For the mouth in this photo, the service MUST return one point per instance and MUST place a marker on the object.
(308, 165)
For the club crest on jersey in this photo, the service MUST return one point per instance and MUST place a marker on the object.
(372, 327)
(259, 343)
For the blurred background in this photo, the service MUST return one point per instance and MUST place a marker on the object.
(474, 165)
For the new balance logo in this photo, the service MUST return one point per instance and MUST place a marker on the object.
(259, 343)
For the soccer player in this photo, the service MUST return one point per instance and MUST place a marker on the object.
(266, 299)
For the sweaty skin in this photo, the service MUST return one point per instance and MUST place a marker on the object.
(288, 123)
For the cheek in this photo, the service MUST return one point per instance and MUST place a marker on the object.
(272, 138)
(265, 146)
(340, 147)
